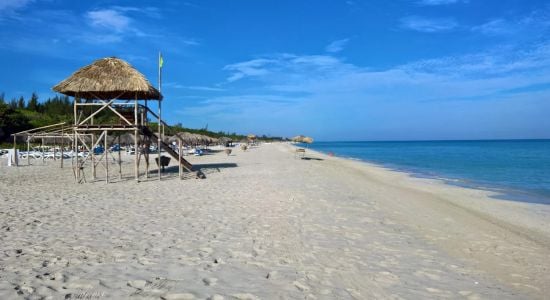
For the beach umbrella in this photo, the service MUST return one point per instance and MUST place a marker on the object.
(126, 138)
(302, 139)
(297, 139)
(108, 78)
(173, 138)
(166, 138)
(307, 140)
(225, 141)
(187, 138)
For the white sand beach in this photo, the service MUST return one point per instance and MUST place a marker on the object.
(265, 225)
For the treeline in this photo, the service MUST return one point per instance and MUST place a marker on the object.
(19, 114)
(171, 130)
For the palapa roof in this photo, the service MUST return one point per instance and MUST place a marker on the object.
(108, 78)
(302, 139)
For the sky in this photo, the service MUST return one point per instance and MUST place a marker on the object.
(330, 69)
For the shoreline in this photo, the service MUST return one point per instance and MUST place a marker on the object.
(262, 225)
(502, 192)
(480, 193)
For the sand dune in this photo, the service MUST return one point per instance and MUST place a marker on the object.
(265, 225)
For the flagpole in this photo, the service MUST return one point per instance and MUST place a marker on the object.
(160, 119)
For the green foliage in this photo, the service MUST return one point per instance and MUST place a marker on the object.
(18, 115)
(172, 130)
(33, 103)
(11, 121)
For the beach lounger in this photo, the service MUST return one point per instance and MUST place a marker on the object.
(300, 152)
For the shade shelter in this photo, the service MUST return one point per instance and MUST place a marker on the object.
(112, 96)
(302, 139)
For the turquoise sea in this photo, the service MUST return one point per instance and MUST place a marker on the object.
(520, 169)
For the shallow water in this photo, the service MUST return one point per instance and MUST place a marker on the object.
(517, 167)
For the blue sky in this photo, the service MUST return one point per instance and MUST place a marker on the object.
(331, 69)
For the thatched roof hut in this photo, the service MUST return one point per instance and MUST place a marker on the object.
(302, 139)
(297, 138)
(128, 138)
(186, 137)
(108, 78)
(226, 141)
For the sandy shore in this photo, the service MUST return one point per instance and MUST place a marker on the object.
(265, 225)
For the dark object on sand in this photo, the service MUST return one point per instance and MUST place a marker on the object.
(164, 161)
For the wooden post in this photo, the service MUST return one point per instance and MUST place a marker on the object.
(28, 150)
(106, 153)
(62, 145)
(75, 143)
(93, 151)
(73, 154)
(15, 158)
(42, 150)
(158, 142)
(160, 119)
(77, 157)
(146, 156)
(179, 157)
(93, 156)
(136, 162)
(119, 161)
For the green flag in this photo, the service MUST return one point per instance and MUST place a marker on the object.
(161, 61)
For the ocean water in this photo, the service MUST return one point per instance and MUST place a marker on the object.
(520, 169)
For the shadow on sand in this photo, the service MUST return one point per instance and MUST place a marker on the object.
(311, 158)
(205, 168)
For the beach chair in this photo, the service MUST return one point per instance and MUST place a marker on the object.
(300, 152)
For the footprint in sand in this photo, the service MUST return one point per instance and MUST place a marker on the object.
(386, 278)
(180, 296)
(210, 281)
(245, 296)
(300, 286)
(427, 274)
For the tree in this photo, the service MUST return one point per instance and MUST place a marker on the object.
(13, 103)
(21, 103)
(33, 103)
(11, 121)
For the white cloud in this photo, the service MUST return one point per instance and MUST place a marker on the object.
(149, 11)
(109, 19)
(495, 91)
(537, 22)
(286, 65)
(336, 46)
(251, 68)
(428, 25)
(440, 2)
(496, 27)
(117, 23)
(193, 87)
(10, 5)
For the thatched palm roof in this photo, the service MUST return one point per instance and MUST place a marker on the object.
(302, 139)
(108, 78)
(298, 138)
